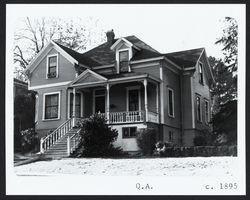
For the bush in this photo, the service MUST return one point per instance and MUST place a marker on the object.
(97, 138)
(29, 140)
(146, 140)
(204, 151)
(200, 141)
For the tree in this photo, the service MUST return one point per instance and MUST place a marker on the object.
(34, 34)
(225, 70)
(224, 88)
(229, 41)
(225, 123)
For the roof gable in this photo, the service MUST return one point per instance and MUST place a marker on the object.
(88, 76)
(43, 53)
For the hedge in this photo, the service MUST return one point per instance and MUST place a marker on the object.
(204, 151)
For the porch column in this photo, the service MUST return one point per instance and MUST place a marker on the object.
(145, 82)
(157, 98)
(74, 106)
(157, 101)
(108, 104)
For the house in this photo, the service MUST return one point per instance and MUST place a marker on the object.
(133, 85)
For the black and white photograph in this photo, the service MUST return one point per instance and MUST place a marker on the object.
(125, 99)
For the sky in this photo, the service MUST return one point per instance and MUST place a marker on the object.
(165, 27)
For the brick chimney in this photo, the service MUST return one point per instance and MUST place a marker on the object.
(110, 36)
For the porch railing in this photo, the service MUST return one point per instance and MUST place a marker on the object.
(48, 141)
(73, 142)
(126, 117)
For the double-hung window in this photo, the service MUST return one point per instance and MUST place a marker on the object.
(198, 104)
(170, 102)
(124, 61)
(52, 106)
(201, 78)
(206, 112)
(52, 66)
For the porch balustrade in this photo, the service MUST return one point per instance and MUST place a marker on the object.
(126, 117)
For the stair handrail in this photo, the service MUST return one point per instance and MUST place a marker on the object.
(73, 142)
(48, 141)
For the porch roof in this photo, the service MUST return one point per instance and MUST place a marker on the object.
(87, 81)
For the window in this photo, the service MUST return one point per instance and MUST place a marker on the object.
(123, 61)
(201, 73)
(198, 103)
(129, 132)
(171, 136)
(77, 105)
(52, 66)
(170, 102)
(206, 112)
(51, 106)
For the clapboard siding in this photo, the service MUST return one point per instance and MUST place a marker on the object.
(66, 71)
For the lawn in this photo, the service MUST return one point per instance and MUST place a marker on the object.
(192, 166)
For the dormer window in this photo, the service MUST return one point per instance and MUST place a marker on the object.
(124, 61)
(52, 66)
(201, 79)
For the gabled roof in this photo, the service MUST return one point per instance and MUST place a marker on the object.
(78, 56)
(187, 58)
(104, 55)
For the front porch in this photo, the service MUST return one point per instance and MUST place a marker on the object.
(132, 99)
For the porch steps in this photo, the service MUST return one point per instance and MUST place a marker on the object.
(59, 150)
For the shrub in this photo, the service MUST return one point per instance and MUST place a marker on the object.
(146, 140)
(199, 151)
(97, 138)
(200, 141)
(29, 140)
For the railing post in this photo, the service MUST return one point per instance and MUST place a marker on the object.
(74, 106)
(145, 82)
(68, 145)
(107, 89)
(41, 145)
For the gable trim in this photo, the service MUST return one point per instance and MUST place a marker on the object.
(38, 58)
(126, 41)
(88, 71)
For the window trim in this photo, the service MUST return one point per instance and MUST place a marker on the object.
(207, 117)
(129, 127)
(202, 72)
(118, 58)
(198, 96)
(47, 65)
(59, 105)
(138, 88)
(36, 108)
(173, 116)
(79, 92)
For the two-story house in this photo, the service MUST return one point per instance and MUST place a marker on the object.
(133, 85)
